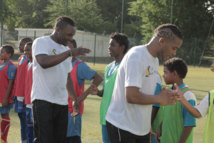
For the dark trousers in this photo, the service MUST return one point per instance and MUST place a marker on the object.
(118, 135)
(50, 122)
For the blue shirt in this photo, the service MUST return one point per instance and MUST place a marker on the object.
(84, 72)
(189, 120)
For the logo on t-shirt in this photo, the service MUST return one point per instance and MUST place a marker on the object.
(148, 71)
(53, 52)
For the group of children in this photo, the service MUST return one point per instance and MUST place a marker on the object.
(15, 87)
(172, 123)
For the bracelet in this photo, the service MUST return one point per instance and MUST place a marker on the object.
(70, 52)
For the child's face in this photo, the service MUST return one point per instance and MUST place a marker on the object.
(168, 76)
(21, 46)
(70, 45)
(114, 48)
(28, 51)
(4, 55)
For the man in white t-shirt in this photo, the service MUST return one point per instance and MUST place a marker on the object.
(129, 115)
(51, 78)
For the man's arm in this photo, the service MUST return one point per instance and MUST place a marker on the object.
(8, 92)
(185, 134)
(47, 61)
(70, 88)
(134, 96)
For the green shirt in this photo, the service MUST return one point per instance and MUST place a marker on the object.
(109, 81)
(173, 123)
(209, 130)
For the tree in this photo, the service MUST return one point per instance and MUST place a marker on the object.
(84, 12)
(192, 17)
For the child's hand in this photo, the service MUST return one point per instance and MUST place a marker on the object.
(76, 108)
(179, 95)
(158, 135)
(93, 89)
(166, 97)
(5, 102)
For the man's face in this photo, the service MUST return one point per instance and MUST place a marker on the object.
(114, 48)
(169, 48)
(28, 51)
(66, 34)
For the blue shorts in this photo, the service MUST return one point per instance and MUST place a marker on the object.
(29, 114)
(6, 110)
(19, 106)
(74, 125)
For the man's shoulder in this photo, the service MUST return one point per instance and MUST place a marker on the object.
(42, 39)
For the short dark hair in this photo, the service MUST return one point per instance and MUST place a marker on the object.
(74, 43)
(122, 39)
(29, 44)
(178, 65)
(9, 49)
(26, 39)
(62, 21)
(161, 31)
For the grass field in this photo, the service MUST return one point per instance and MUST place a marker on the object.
(200, 80)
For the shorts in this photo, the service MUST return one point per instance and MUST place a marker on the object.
(74, 125)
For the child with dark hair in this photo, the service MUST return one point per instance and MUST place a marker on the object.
(19, 88)
(118, 46)
(205, 107)
(79, 74)
(7, 76)
(28, 87)
(177, 125)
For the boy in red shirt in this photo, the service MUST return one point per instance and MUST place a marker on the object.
(7, 76)
(19, 89)
(28, 87)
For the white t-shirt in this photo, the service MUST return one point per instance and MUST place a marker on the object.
(203, 106)
(50, 84)
(139, 69)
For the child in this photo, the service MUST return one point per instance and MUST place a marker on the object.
(79, 74)
(118, 46)
(19, 89)
(205, 107)
(177, 122)
(7, 76)
(28, 87)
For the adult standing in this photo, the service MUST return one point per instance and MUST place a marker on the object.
(129, 114)
(51, 78)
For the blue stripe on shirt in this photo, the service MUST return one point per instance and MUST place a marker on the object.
(189, 120)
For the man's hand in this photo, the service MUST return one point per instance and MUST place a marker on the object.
(80, 51)
(167, 97)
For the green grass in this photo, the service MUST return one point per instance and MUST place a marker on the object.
(200, 80)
